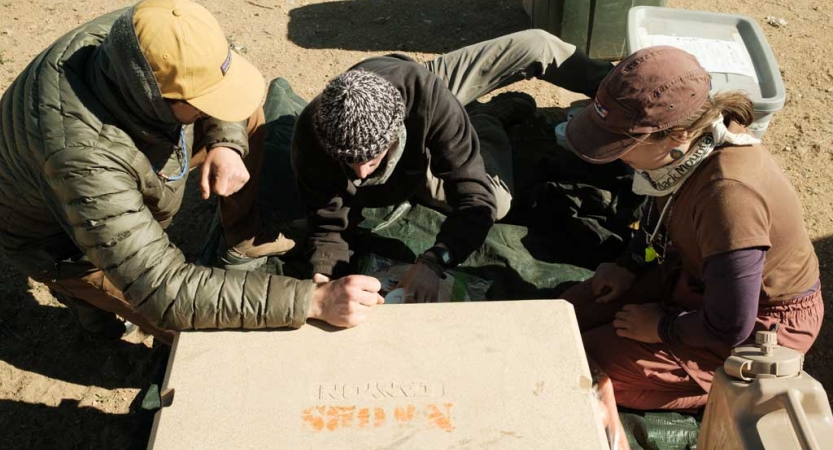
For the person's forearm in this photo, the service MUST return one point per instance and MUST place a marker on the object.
(455, 158)
(465, 231)
(233, 135)
(330, 253)
(730, 303)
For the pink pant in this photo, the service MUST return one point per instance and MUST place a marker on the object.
(659, 376)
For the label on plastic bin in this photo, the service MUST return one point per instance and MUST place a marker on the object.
(758, 126)
(714, 55)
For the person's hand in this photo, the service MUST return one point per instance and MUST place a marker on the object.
(610, 281)
(320, 278)
(345, 302)
(639, 322)
(421, 284)
(223, 173)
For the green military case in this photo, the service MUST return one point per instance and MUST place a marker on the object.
(599, 27)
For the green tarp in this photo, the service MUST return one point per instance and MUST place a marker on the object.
(535, 261)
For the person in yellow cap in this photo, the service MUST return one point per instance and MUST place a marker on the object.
(98, 136)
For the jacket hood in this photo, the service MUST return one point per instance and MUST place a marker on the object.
(127, 87)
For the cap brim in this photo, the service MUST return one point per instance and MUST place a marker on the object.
(592, 142)
(238, 96)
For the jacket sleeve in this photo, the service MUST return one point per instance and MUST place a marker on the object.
(326, 205)
(455, 158)
(100, 202)
(233, 135)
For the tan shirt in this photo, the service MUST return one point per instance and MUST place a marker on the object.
(740, 198)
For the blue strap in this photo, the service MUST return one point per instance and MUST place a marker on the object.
(184, 148)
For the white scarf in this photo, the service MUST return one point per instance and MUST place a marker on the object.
(667, 179)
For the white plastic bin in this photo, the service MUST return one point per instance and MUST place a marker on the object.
(731, 47)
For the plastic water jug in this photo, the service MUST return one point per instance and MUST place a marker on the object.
(761, 399)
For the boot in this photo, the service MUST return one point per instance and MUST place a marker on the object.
(510, 107)
(263, 245)
(270, 240)
(252, 253)
(579, 73)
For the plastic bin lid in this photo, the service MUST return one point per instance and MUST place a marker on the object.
(731, 47)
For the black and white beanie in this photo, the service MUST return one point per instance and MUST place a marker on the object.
(359, 115)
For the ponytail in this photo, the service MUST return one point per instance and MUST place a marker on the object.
(734, 106)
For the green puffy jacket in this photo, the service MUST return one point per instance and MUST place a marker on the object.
(83, 127)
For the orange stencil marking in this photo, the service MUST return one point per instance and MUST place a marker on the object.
(340, 416)
(404, 414)
(332, 418)
(363, 417)
(440, 419)
(314, 417)
(378, 417)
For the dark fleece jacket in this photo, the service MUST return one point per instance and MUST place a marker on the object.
(439, 135)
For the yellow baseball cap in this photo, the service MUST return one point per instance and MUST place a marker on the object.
(191, 59)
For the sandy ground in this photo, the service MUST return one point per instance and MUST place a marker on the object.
(60, 390)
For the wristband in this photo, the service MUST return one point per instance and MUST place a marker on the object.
(632, 262)
(431, 262)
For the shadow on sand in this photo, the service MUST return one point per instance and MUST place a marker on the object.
(428, 26)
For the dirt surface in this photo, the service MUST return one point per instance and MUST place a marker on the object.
(58, 389)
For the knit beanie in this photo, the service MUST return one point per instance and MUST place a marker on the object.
(359, 115)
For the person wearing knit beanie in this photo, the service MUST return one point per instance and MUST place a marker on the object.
(391, 130)
(359, 116)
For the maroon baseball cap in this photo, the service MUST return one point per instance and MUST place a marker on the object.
(651, 90)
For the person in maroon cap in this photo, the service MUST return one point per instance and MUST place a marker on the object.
(721, 251)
